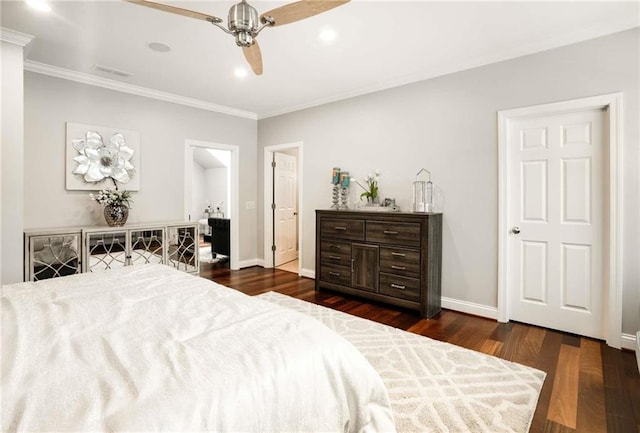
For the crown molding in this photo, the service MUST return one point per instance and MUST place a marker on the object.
(119, 86)
(14, 37)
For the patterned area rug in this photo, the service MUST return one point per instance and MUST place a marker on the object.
(206, 256)
(436, 386)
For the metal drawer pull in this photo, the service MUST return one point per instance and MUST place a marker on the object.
(336, 247)
(390, 232)
(400, 268)
(393, 253)
(398, 286)
(340, 228)
(334, 274)
(334, 257)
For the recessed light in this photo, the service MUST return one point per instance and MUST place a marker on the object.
(39, 5)
(328, 35)
(160, 47)
(240, 72)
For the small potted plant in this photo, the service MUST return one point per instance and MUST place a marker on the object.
(371, 189)
(116, 205)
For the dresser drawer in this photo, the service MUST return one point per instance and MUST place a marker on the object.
(400, 261)
(342, 228)
(335, 252)
(336, 274)
(400, 287)
(394, 233)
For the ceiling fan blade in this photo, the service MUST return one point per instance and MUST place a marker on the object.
(300, 10)
(175, 10)
(254, 57)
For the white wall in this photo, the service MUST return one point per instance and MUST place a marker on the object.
(217, 181)
(11, 150)
(210, 186)
(198, 191)
(449, 126)
(163, 127)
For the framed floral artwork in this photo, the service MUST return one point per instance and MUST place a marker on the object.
(101, 157)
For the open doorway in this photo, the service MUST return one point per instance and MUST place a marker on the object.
(210, 196)
(283, 207)
(211, 199)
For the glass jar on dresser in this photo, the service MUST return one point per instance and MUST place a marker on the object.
(389, 257)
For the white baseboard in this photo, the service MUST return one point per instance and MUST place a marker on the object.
(628, 341)
(470, 308)
(260, 262)
(247, 263)
(308, 273)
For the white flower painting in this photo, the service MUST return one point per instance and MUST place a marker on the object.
(100, 157)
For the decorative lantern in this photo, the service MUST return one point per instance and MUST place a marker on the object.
(423, 192)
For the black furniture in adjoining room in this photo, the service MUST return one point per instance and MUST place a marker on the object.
(220, 236)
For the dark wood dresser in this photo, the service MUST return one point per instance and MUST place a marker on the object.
(390, 257)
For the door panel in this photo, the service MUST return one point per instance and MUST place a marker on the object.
(534, 278)
(534, 185)
(555, 199)
(365, 259)
(576, 190)
(576, 276)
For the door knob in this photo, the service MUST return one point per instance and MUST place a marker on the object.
(515, 230)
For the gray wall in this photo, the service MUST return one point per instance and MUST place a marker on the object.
(217, 186)
(198, 191)
(449, 126)
(11, 151)
(163, 127)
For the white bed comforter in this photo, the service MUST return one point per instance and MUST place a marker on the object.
(148, 348)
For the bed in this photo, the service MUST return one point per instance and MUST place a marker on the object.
(149, 348)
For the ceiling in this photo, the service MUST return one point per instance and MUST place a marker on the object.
(380, 44)
(210, 158)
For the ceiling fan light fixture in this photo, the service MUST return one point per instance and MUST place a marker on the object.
(244, 39)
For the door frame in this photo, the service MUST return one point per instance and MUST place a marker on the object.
(278, 191)
(234, 177)
(268, 189)
(612, 229)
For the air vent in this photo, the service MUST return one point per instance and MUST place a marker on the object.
(112, 71)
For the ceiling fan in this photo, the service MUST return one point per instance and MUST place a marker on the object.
(244, 23)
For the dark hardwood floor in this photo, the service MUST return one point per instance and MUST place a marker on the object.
(590, 387)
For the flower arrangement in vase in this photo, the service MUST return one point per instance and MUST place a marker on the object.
(116, 205)
(371, 189)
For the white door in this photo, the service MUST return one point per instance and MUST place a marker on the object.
(285, 198)
(555, 214)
